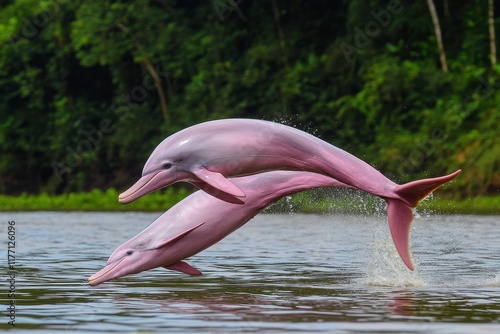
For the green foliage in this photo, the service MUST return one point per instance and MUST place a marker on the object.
(95, 200)
(353, 202)
(315, 201)
(89, 88)
(480, 205)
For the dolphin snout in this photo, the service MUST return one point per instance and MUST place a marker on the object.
(105, 274)
(144, 185)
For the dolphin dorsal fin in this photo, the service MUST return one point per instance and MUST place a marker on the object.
(218, 181)
(184, 268)
(178, 237)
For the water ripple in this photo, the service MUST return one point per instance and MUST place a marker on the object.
(278, 273)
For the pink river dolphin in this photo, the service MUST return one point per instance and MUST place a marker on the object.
(201, 220)
(207, 154)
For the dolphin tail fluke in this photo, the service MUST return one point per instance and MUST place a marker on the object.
(413, 192)
(400, 211)
(400, 217)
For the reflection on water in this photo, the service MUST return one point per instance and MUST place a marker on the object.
(335, 273)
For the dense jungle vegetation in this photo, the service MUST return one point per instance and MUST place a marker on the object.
(89, 88)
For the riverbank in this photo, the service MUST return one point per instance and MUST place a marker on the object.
(95, 200)
(319, 201)
(342, 201)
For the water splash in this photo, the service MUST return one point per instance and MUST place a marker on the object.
(492, 282)
(423, 210)
(288, 201)
(386, 267)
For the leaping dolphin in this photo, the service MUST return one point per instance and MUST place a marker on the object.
(201, 220)
(208, 153)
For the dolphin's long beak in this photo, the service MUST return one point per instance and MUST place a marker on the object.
(105, 274)
(143, 186)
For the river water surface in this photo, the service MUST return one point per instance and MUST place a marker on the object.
(278, 273)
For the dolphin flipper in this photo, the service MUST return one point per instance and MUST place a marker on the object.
(218, 181)
(184, 268)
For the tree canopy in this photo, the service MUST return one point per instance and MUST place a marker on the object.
(89, 88)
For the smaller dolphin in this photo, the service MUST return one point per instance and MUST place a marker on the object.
(201, 220)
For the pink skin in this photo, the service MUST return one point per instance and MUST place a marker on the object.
(207, 153)
(201, 220)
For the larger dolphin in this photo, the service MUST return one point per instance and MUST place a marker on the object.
(201, 220)
(208, 153)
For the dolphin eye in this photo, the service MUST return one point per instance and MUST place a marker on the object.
(130, 252)
(167, 165)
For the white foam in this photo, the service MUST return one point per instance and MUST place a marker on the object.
(386, 267)
(493, 282)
